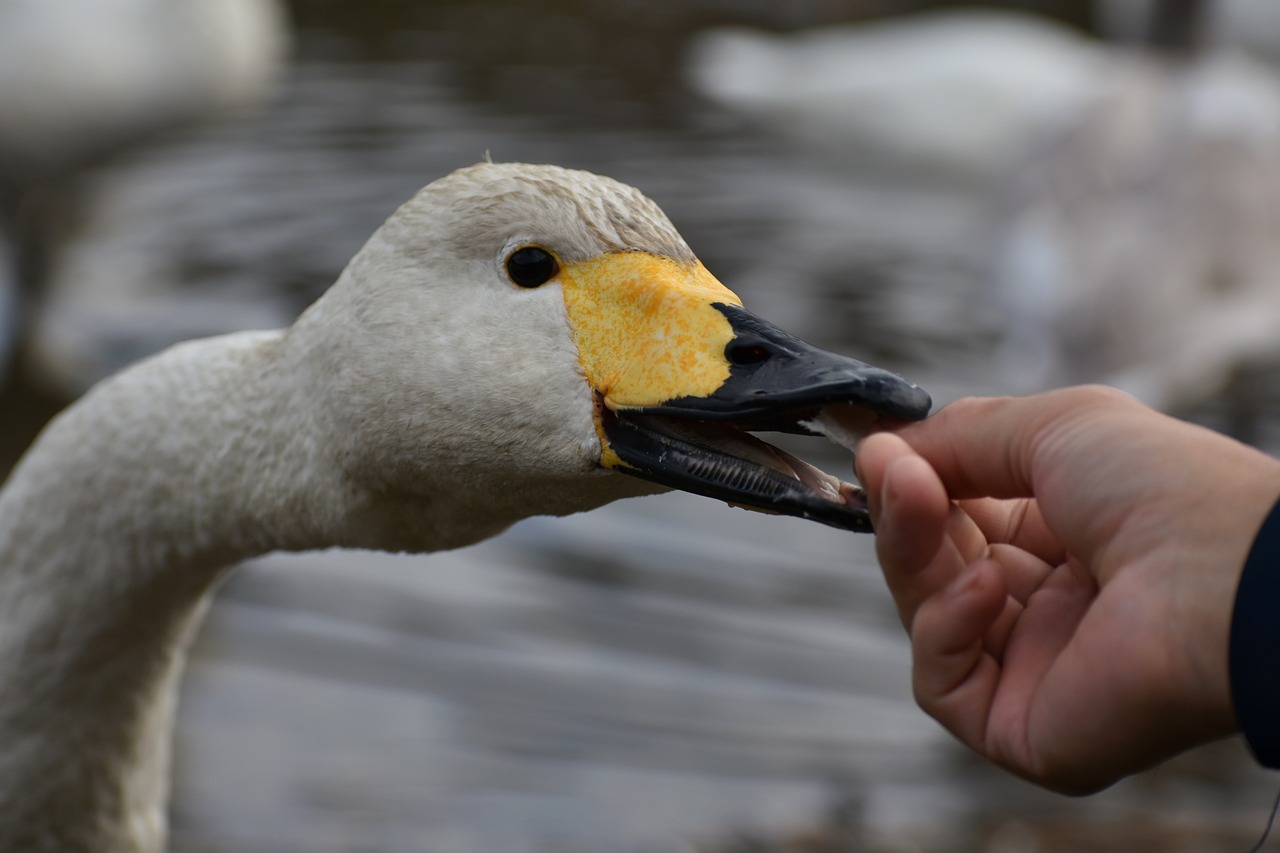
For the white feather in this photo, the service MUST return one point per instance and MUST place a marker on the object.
(424, 402)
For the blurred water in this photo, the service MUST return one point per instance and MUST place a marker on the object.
(665, 674)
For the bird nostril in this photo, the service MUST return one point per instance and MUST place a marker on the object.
(745, 354)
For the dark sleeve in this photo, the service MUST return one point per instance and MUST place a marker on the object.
(1254, 657)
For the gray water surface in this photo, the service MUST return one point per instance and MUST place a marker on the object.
(664, 674)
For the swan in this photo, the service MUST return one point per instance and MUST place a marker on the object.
(1140, 243)
(929, 94)
(82, 80)
(510, 342)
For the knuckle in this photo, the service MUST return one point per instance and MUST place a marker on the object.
(1100, 396)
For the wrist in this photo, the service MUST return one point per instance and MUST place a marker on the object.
(1223, 531)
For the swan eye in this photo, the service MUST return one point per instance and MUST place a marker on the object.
(532, 266)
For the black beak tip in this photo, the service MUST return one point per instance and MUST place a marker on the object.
(907, 401)
(886, 394)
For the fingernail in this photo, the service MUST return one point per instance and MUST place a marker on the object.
(885, 494)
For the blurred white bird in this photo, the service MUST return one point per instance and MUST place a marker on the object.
(936, 95)
(83, 79)
(1141, 243)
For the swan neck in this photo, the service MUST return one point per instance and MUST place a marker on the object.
(113, 529)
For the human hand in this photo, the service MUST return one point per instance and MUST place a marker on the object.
(1066, 566)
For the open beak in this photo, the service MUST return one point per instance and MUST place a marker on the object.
(684, 375)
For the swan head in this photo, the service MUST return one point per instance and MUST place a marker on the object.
(516, 337)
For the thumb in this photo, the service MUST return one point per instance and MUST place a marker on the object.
(988, 446)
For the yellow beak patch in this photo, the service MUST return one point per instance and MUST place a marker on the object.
(645, 328)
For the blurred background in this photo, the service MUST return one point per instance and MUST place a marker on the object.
(987, 199)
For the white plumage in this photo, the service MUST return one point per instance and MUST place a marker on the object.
(78, 77)
(81, 80)
(423, 403)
